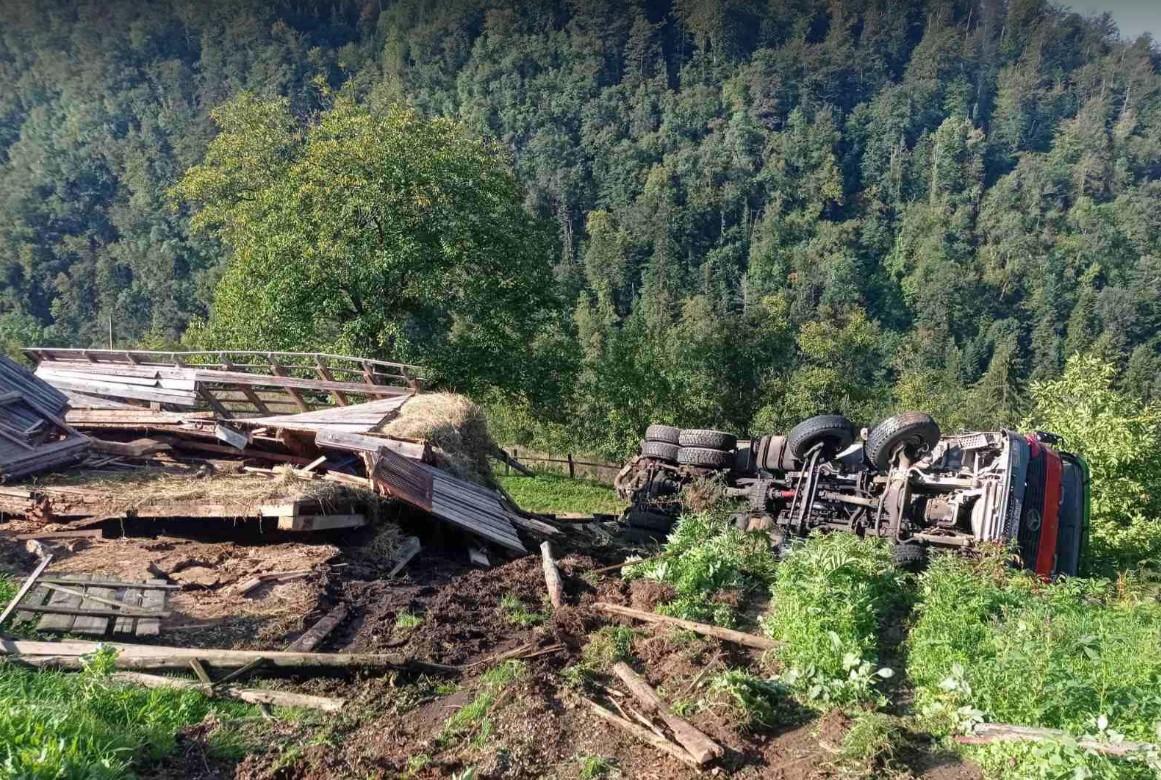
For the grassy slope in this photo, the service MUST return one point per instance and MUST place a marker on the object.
(556, 494)
(987, 642)
(81, 725)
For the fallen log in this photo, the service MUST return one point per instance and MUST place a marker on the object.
(71, 655)
(251, 695)
(987, 733)
(319, 631)
(551, 576)
(643, 734)
(717, 632)
(702, 748)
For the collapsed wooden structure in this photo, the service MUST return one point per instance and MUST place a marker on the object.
(228, 382)
(33, 434)
(314, 413)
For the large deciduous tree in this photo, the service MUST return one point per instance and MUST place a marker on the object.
(376, 234)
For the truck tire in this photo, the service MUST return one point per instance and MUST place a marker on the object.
(662, 433)
(660, 451)
(833, 431)
(705, 458)
(909, 556)
(915, 431)
(650, 520)
(707, 440)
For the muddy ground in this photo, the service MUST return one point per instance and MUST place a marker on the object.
(395, 725)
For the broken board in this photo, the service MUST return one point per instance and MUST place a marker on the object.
(94, 606)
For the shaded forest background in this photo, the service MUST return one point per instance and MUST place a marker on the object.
(759, 210)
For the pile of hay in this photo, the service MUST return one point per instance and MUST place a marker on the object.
(134, 489)
(456, 428)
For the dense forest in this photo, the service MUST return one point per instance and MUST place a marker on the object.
(732, 213)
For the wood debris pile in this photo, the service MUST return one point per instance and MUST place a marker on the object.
(293, 440)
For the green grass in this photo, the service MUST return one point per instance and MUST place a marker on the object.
(992, 643)
(406, 621)
(830, 598)
(557, 494)
(606, 646)
(704, 557)
(870, 745)
(595, 767)
(755, 702)
(82, 725)
(518, 612)
(471, 720)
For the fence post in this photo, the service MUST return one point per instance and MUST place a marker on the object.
(571, 473)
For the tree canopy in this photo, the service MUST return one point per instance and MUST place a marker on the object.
(371, 234)
(758, 209)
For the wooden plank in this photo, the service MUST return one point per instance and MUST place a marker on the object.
(296, 396)
(36, 597)
(82, 611)
(702, 748)
(326, 375)
(131, 597)
(129, 656)
(251, 695)
(643, 734)
(717, 632)
(151, 585)
(321, 522)
(93, 624)
(59, 622)
(25, 587)
(358, 442)
(177, 398)
(154, 599)
(314, 635)
(552, 578)
(407, 551)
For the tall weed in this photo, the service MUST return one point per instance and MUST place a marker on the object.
(704, 558)
(831, 595)
(993, 643)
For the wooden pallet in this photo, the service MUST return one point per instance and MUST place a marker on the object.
(84, 607)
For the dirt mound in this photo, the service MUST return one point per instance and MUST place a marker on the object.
(456, 428)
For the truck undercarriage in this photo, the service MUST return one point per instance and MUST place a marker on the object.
(903, 482)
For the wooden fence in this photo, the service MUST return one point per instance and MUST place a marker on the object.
(569, 464)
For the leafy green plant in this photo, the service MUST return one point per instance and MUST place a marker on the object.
(518, 613)
(830, 597)
(868, 748)
(994, 643)
(704, 558)
(595, 767)
(557, 494)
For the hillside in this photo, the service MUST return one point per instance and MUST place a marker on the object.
(760, 209)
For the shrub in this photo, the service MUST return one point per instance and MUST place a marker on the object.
(704, 557)
(831, 595)
(993, 643)
(1117, 436)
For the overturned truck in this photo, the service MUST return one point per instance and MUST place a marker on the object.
(902, 481)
